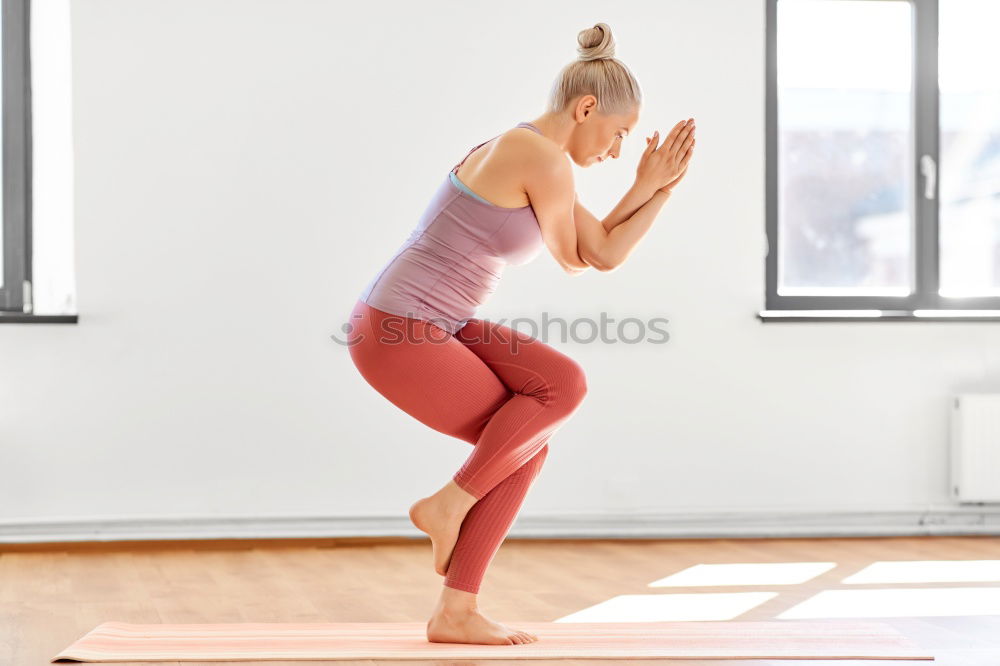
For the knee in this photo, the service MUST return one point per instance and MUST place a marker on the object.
(580, 382)
(560, 385)
(573, 385)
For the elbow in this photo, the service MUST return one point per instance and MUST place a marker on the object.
(612, 264)
(573, 269)
(576, 264)
(573, 272)
(603, 264)
(608, 266)
(593, 259)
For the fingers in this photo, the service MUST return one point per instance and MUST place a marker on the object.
(678, 128)
(686, 157)
(669, 139)
(683, 164)
(652, 141)
(684, 135)
(688, 142)
(676, 134)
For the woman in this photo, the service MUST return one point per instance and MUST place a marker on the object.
(415, 340)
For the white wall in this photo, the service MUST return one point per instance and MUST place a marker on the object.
(242, 168)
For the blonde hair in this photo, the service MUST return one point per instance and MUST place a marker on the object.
(596, 72)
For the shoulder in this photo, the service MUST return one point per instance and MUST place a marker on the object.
(536, 155)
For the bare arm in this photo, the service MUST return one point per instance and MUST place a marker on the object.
(634, 199)
(607, 243)
(551, 192)
(577, 239)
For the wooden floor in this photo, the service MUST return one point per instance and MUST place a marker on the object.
(51, 594)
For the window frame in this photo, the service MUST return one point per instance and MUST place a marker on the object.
(15, 293)
(925, 141)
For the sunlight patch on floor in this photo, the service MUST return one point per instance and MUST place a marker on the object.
(919, 602)
(929, 571)
(752, 573)
(670, 607)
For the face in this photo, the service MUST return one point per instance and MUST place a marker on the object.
(599, 137)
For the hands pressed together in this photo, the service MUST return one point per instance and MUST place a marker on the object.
(662, 167)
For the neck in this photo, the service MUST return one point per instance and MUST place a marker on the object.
(557, 127)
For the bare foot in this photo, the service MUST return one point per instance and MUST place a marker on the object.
(441, 526)
(473, 627)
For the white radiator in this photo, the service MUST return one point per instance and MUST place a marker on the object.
(975, 447)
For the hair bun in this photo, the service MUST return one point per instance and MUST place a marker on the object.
(596, 43)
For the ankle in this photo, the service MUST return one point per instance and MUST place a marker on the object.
(455, 612)
(456, 603)
(455, 499)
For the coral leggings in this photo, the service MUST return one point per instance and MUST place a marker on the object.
(496, 388)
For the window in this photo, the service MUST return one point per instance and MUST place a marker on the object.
(15, 139)
(883, 159)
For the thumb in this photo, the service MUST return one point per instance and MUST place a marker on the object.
(651, 141)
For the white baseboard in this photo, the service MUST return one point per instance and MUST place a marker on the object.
(948, 520)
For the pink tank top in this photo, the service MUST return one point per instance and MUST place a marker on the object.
(452, 261)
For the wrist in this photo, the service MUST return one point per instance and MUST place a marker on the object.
(644, 191)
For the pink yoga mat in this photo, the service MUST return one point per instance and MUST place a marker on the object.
(249, 641)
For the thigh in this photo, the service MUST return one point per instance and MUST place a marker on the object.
(525, 364)
(425, 371)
